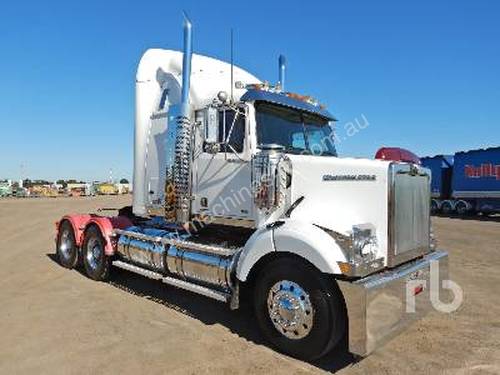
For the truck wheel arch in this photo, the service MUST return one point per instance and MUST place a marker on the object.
(106, 225)
(78, 222)
(292, 237)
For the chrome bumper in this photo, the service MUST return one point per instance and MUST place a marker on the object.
(377, 304)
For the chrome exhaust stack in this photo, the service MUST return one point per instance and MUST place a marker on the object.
(178, 144)
(186, 65)
(282, 69)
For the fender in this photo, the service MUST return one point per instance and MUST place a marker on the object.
(78, 222)
(259, 244)
(293, 236)
(106, 225)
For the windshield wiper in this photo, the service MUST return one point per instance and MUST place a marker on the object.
(303, 151)
(327, 153)
(296, 150)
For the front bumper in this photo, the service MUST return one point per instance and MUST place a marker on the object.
(378, 305)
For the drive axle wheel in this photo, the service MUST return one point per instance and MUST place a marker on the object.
(434, 207)
(95, 261)
(462, 208)
(299, 310)
(66, 251)
(447, 208)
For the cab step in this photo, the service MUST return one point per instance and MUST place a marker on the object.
(195, 288)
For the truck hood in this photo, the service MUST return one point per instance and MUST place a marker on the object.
(341, 192)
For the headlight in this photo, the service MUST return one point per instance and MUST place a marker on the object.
(363, 240)
(360, 249)
(360, 245)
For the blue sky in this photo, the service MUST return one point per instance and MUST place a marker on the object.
(425, 75)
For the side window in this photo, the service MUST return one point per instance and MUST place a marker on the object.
(234, 135)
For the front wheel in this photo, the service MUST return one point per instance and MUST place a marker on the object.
(298, 310)
(95, 261)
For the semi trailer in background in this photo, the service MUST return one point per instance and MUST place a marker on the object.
(465, 183)
(239, 195)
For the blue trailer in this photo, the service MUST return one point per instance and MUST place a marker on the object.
(469, 182)
(441, 167)
(476, 181)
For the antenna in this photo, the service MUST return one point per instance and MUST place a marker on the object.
(232, 68)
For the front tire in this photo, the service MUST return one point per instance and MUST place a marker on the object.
(298, 310)
(66, 251)
(95, 261)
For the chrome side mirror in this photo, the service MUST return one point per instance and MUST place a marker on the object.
(211, 130)
(211, 125)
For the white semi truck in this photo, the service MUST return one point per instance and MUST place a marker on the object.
(239, 194)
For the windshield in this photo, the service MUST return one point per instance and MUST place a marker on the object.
(298, 132)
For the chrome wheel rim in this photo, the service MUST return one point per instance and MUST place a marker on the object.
(94, 253)
(290, 309)
(66, 244)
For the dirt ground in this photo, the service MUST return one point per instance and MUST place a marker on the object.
(57, 321)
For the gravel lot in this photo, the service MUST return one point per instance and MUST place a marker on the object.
(57, 321)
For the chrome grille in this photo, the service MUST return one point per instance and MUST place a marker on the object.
(409, 227)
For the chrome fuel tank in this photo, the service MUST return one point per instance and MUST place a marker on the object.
(169, 253)
(150, 254)
(207, 268)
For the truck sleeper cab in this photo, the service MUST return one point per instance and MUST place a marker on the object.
(247, 198)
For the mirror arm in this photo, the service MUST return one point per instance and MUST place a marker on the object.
(235, 153)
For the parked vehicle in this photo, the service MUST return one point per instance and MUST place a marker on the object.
(107, 189)
(441, 167)
(21, 192)
(43, 191)
(465, 183)
(90, 189)
(239, 194)
(5, 190)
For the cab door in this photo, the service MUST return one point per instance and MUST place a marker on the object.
(223, 178)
